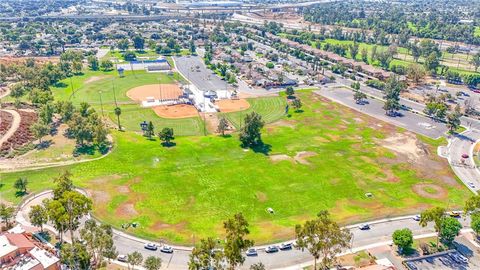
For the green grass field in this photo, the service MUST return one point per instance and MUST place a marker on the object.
(403, 57)
(477, 31)
(327, 157)
(271, 109)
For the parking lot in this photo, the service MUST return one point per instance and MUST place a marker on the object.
(194, 70)
(445, 260)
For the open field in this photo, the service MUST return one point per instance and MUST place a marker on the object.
(327, 157)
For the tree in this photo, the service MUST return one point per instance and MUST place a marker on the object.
(475, 223)
(134, 258)
(138, 42)
(453, 121)
(250, 134)
(432, 63)
(393, 88)
(118, 112)
(290, 91)
(6, 213)
(123, 44)
(38, 216)
(297, 104)
(450, 228)
(435, 215)
(40, 130)
(475, 61)
(150, 130)
(416, 73)
(222, 126)
(359, 96)
(75, 256)
(98, 241)
(166, 136)
(192, 47)
(63, 184)
(206, 256)
(46, 113)
(353, 50)
(403, 238)
(21, 185)
(76, 207)
(92, 62)
(152, 263)
(77, 66)
(257, 266)
(236, 229)
(385, 58)
(106, 65)
(364, 54)
(323, 238)
(416, 52)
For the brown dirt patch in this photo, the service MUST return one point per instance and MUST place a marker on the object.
(261, 197)
(126, 210)
(283, 123)
(301, 157)
(99, 197)
(430, 191)
(176, 111)
(94, 79)
(279, 157)
(407, 144)
(123, 189)
(157, 91)
(163, 226)
(104, 180)
(232, 105)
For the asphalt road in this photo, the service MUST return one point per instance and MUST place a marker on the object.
(203, 78)
(379, 234)
(408, 120)
(465, 168)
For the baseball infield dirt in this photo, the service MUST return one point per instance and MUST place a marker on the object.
(157, 91)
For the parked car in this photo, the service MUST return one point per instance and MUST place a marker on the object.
(150, 246)
(251, 252)
(286, 246)
(458, 258)
(455, 214)
(166, 249)
(271, 249)
(465, 156)
(416, 218)
(471, 184)
(122, 258)
(364, 227)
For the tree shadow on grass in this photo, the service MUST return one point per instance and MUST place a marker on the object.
(262, 148)
(84, 150)
(44, 145)
(169, 144)
(20, 193)
(226, 136)
(61, 85)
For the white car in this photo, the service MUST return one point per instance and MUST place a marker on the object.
(166, 249)
(122, 258)
(471, 184)
(416, 218)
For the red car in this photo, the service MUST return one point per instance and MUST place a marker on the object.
(464, 156)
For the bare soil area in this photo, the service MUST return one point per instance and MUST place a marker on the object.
(176, 111)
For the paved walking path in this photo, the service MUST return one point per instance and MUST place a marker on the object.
(15, 125)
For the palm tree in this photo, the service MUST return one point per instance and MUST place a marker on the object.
(118, 112)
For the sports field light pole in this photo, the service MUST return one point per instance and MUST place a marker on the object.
(101, 103)
(71, 86)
